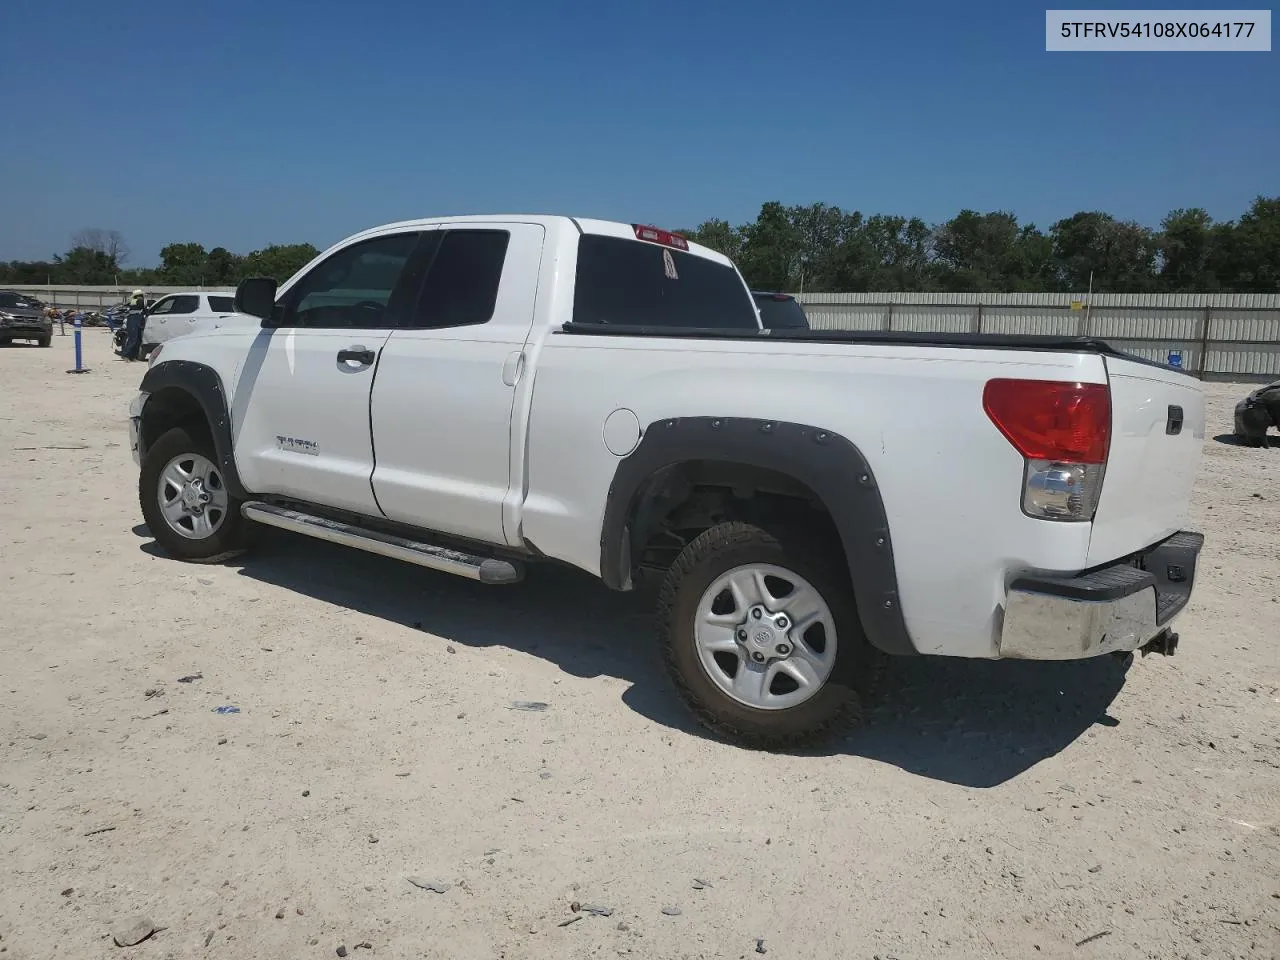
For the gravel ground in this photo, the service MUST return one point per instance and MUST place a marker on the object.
(992, 809)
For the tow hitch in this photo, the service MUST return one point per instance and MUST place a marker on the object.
(1165, 642)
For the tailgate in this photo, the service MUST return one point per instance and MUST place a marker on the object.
(1152, 462)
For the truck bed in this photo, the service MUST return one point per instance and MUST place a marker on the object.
(978, 341)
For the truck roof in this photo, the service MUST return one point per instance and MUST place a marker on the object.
(607, 228)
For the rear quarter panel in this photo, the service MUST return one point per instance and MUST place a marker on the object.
(950, 482)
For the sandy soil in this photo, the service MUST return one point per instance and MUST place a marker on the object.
(993, 809)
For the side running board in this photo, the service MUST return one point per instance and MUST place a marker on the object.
(484, 569)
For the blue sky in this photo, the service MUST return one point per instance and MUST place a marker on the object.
(241, 124)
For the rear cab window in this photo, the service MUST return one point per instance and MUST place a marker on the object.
(626, 282)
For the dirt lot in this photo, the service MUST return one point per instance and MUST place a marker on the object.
(993, 809)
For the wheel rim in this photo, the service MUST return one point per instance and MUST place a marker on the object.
(765, 637)
(193, 499)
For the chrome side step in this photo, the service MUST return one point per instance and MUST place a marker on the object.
(484, 569)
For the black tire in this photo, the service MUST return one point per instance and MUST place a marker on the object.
(231, 536)
(46, 340)
(836, 708)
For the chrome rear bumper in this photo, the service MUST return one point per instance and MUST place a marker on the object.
(1113, 609)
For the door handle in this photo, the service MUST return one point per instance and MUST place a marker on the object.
(512, 367)
(361, 355)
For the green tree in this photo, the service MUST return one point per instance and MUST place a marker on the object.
(900, 249)
(719, 235)
(1251, 255)
(183, 264)
(86, 266)
(1186, 244)
(280, 261)
(819, 231)
(223, 267)
(976, 251)
(1120, 256)
(770, 251)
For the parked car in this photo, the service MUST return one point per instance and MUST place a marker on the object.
(1256, 414)
(180, 314)
(23, 318)
(780, 311)
(548, 389)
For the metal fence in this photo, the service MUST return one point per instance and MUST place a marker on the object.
(1215, 336)
(98, 298)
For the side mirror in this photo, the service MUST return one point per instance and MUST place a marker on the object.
(256, 296)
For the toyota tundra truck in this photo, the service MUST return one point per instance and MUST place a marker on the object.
(475, 395)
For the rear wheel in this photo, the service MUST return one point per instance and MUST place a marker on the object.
(762, 637)
(185, 500)
(45, 340)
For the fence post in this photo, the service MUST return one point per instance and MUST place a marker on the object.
(888, 318)
(1204, 343)
(978, 324)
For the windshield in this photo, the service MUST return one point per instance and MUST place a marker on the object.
(632, 283)
(9, 301)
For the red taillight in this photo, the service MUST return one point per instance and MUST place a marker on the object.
(1051, 420)
(664, 237)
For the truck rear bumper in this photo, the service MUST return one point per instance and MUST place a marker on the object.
(1116, 608)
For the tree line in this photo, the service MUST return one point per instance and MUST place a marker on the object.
(817, 248)
(100, 258)
(820, 248)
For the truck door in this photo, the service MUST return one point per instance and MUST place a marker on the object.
(302, 402)
(446, 382)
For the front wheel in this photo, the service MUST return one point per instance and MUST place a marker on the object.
(185, 500)
(762, 637)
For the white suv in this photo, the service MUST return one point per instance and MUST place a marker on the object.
(182, 313)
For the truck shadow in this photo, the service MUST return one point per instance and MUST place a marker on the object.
(1231, 440)
(973, 723)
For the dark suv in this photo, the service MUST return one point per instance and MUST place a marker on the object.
(780, 311)
(22, 318)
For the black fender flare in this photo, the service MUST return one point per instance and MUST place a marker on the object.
(204, 385)
(824, 461)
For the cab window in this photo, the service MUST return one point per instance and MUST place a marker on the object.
(352, 289)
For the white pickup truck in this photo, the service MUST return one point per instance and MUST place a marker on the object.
(477, 394)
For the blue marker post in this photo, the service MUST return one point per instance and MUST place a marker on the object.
(80, 367)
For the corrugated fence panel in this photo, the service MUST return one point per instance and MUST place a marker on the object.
(1158, 301)
(1136, 323)
(1253, 359)
(1239, 325)
(919, 318)
(1042, 321)
(846, 316)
